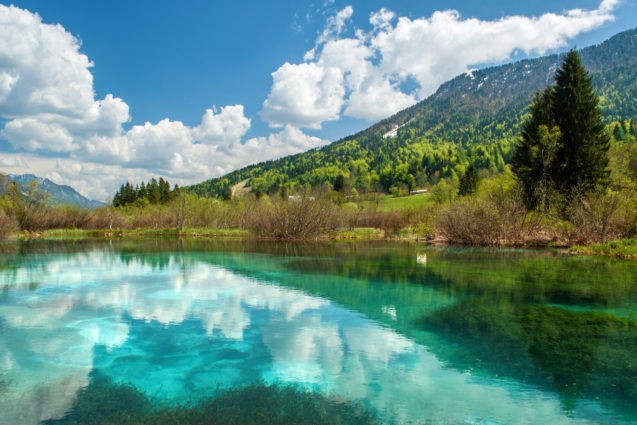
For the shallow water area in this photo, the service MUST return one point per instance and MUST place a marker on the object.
(411, 333)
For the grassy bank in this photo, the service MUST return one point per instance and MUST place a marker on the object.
(624, 248)
(130, 233)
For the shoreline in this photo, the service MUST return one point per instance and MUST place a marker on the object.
(625, 249)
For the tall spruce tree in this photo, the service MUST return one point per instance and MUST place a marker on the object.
(468, 184)
(564, 144)
(339, 183)
(581, 159)
(527, 162)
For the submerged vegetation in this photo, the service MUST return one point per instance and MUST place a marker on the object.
(106, 403)
(575, 353)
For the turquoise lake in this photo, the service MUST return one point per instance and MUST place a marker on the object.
(410, 333)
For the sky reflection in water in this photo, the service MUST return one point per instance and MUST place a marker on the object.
(180, 329)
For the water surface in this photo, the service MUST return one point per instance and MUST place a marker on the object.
(414, 334)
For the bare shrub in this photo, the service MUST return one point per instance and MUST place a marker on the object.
(152, 217)
(214, 213)
(65, 217)
(106, 218)
(424, 222)
(232, 213)
(469, 221)
(301, 218)
(349, 214)
(496, 221)
(627, 214)
(512, 225)
(7, 225)
(596, 217)
(388, 221)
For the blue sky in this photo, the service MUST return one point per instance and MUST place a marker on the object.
(123, 89)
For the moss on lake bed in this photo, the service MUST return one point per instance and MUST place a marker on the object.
(106, 403)
(577, 354)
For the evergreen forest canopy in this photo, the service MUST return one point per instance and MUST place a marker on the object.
(153, 192)
(473, 119)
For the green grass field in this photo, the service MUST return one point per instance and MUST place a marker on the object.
(392, 203)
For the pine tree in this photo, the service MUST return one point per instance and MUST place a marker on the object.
(564, 144)
(534, 155)
(118, 198)
(154, 195)
(164, 190)
(339, 183)
(128, 195)
(469, 181)
(581, 159)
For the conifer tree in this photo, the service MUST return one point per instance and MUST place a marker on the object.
(581, 158)
(164, 190)
(339, 183)
(564, 144)
(527, 161)
(154, 195)
(468, 184)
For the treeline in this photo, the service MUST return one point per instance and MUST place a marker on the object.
(153, 192)
(625, 131)
(372, 164)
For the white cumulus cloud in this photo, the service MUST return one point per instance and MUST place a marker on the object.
(336, 24)
(59, 130)
(427, 51)
(226, 126)
(304, 95)
(41, 68)
(432, 50)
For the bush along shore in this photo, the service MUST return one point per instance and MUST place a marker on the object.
(495, 215)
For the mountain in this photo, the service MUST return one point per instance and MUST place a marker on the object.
(474, 117)
(60, 194)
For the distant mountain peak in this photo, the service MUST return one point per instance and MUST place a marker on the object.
(60, 194)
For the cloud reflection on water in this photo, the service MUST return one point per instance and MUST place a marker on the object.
(246, 327)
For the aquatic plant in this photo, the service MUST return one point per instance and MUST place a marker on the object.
(575, 353)
(106, 403)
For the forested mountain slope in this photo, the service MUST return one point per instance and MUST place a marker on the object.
(472, 118)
